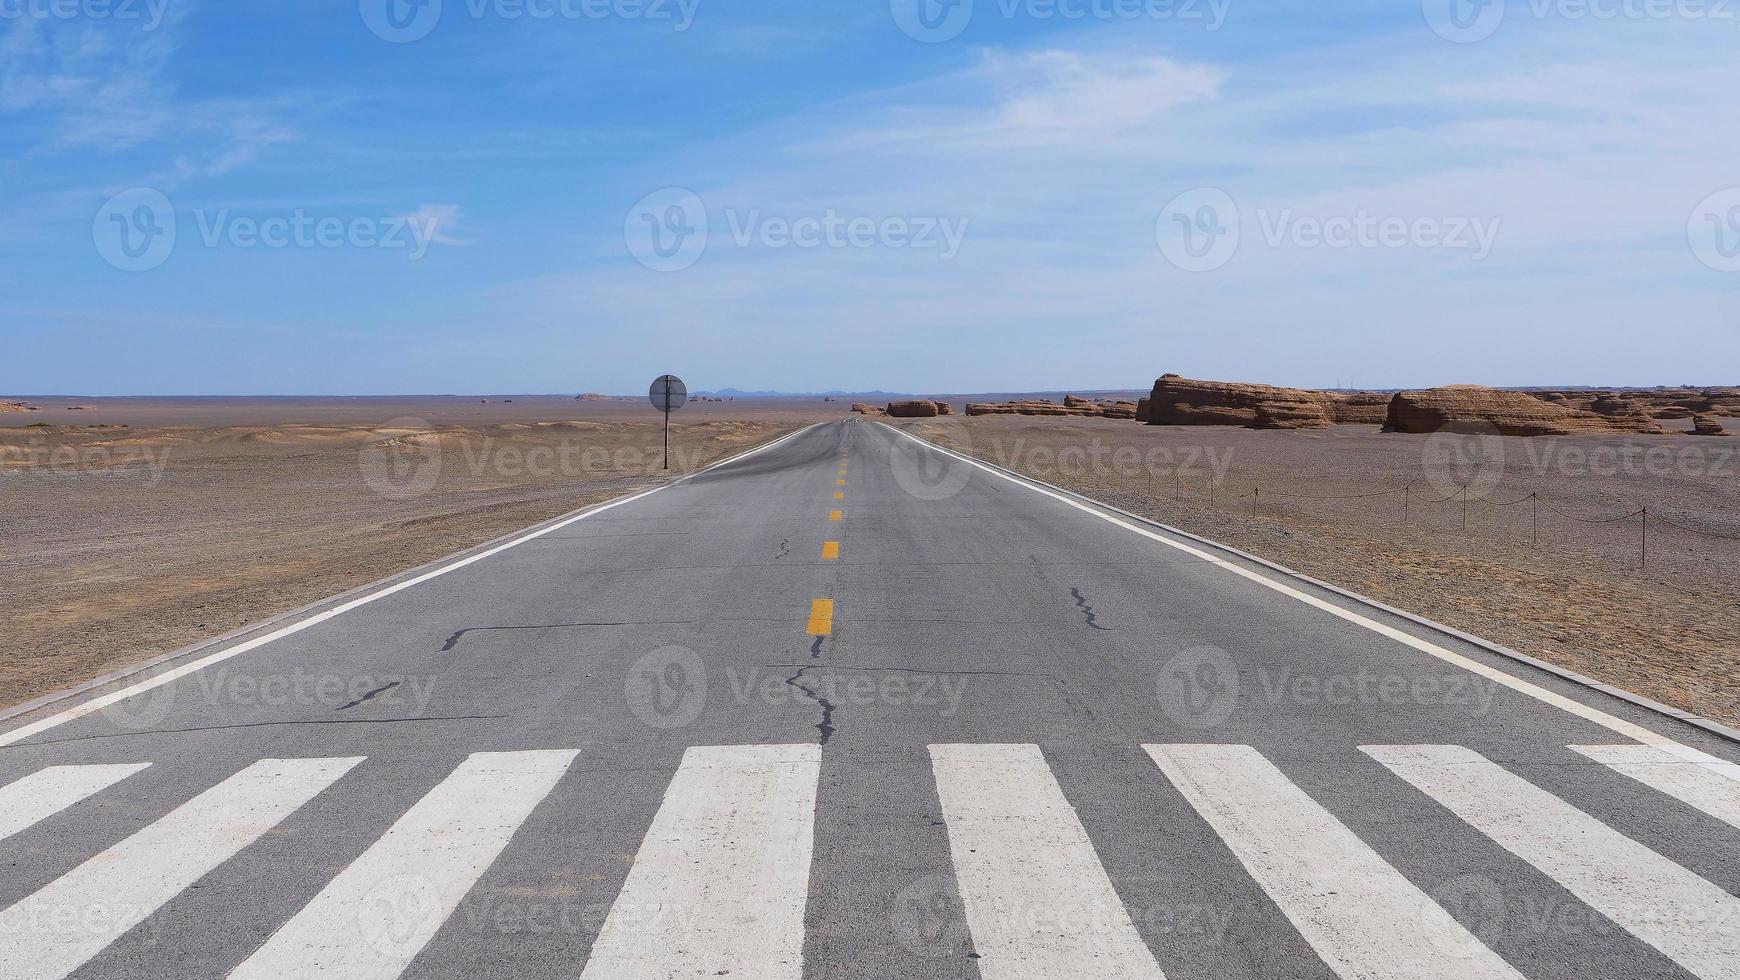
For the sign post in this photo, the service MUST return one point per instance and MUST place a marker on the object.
(668, 394)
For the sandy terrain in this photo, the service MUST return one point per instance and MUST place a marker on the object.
(156, 524)
(1670, 631)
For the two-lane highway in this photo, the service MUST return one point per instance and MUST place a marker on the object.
(852, 706)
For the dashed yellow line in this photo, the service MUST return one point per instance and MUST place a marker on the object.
(830, 550)
(834, 515)
(839, 495)
(821, 617)
(839, 483)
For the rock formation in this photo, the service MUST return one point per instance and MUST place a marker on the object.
(1706, 425)
(863, 409)
(919, 409)
(1511, 413)
(1182, 401)
(1359, 408)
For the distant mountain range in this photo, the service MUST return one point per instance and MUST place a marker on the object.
(867, 395)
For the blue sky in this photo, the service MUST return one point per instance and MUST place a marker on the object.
(806, 196)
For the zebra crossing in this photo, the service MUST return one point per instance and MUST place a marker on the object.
(720, 881)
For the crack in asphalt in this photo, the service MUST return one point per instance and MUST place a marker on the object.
(783, 550)
(453, 641)
(1087, 611)
(826, 725)
(370, 696)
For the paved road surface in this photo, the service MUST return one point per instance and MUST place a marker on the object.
(852, 708)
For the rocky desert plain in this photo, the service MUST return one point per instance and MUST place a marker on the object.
(133, 527)
(1365, 490)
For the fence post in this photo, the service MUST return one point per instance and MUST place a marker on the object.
(1256, 494)
(1407, 491)
(1535, 532)
(1464, 508)
(1643, 560)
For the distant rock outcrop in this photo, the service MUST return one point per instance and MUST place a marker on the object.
(16, 407)
(944, 408)
(1072, 405)
(863, 409)
(1177, 400)
(1511, 413)
(592, 396)
(918, 409)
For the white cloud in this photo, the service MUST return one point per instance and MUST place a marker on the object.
(1587, 158)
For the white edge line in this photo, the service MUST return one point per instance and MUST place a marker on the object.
(156, 680)
(1628, 729)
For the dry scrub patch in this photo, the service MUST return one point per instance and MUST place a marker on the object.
(122, 543)
(1670, 631)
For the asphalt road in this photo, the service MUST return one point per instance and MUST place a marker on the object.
(852, 707)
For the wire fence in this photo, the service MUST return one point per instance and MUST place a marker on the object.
(1411, 499)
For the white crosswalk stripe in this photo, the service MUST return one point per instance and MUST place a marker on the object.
(1037, 901)
(1693, 922)
(1707, 786)
(1362, 916)
(719, 885)
(721, 880)
(43, 794)
(372, 920)
(55, 931)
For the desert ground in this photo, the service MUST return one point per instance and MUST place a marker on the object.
(133, 527)
(1575, 595)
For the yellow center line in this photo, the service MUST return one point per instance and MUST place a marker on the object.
(839, 495)
(835, 515)
(821, 617)
(839, 483)
(830, 550)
